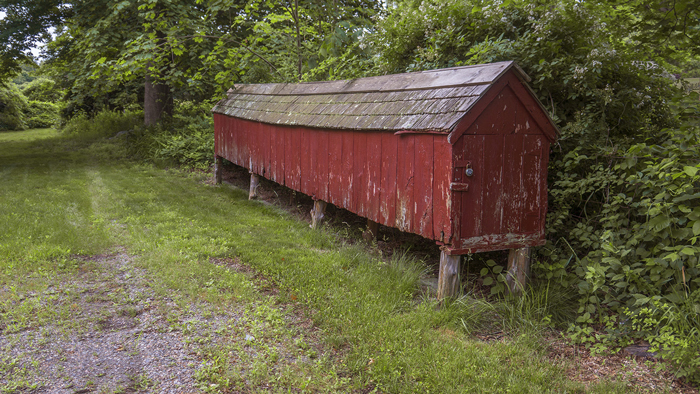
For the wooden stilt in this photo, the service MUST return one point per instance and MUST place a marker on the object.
(254, 183)
(218, 168)
(317, 213)
(372, 231)
(518, 270)
(448, 279)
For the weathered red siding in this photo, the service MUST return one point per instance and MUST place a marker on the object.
(417, 181)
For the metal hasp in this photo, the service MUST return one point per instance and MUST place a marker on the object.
(456, 155)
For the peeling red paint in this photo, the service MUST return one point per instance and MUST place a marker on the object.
(480, 188)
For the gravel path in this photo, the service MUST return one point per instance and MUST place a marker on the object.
(116, 338)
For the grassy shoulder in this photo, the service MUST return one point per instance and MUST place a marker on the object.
(66, 197)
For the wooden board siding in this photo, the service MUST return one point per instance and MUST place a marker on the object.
(396, 150)
(392, 180)
(507, 193)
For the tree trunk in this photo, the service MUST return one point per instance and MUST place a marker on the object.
(157, 101)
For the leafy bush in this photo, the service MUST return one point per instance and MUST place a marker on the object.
(41, 114)
(191, 144)
(632, 244)
(42, 89)
(13, 106)
(105, 123)
(186, 140)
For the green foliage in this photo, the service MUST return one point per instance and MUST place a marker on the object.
(631, 220)
(13, 106)
(596, 90)
(42, 89)
(673, 331)
(42, 114)
(185, 140)
(104, 124)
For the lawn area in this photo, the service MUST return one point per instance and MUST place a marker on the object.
(191, 287)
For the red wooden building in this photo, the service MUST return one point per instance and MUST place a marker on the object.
(456, 155)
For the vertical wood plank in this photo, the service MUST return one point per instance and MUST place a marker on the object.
(359, 189)
(244, 148)
(335, 168)
(322, 165)
(532, 178)
(389, 158)
(265, 149)
(281, 152)
(512, 183)
(348, 177)
(274, 154)
(493, 184)
(469, 222)
(254, 133)
(405, 182)
(292, 165)
(442, 201)
(307, 152)
(373, 167)
(233, 142)
(423, 190)
(448, 278)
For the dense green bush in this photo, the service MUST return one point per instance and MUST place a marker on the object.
(186, 140)
(624, 179)
(13, 106)
(105, 123)
(42, 89)
(40, 114)
(633, 252)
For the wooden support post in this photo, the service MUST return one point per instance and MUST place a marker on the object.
(372, 230)
(317, 213)
(448, 279)
(218, 168)
(518, 270)
(254, 183)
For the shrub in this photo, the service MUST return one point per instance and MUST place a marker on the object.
(186, 140)
(42, 89)
(103, 124)
(42, 114)
(13, 106)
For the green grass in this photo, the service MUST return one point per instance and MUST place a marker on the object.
(62, 197)
(28, 135)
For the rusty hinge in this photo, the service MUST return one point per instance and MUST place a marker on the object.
(459, 187)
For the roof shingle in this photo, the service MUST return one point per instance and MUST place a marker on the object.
(422, 101)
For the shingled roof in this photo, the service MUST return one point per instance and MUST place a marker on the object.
(432, 100)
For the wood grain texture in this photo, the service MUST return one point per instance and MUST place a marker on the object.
(448, 277)
(410, 179)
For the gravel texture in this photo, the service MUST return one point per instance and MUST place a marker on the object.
(117, 339)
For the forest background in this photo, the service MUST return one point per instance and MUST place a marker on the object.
(616, 76)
